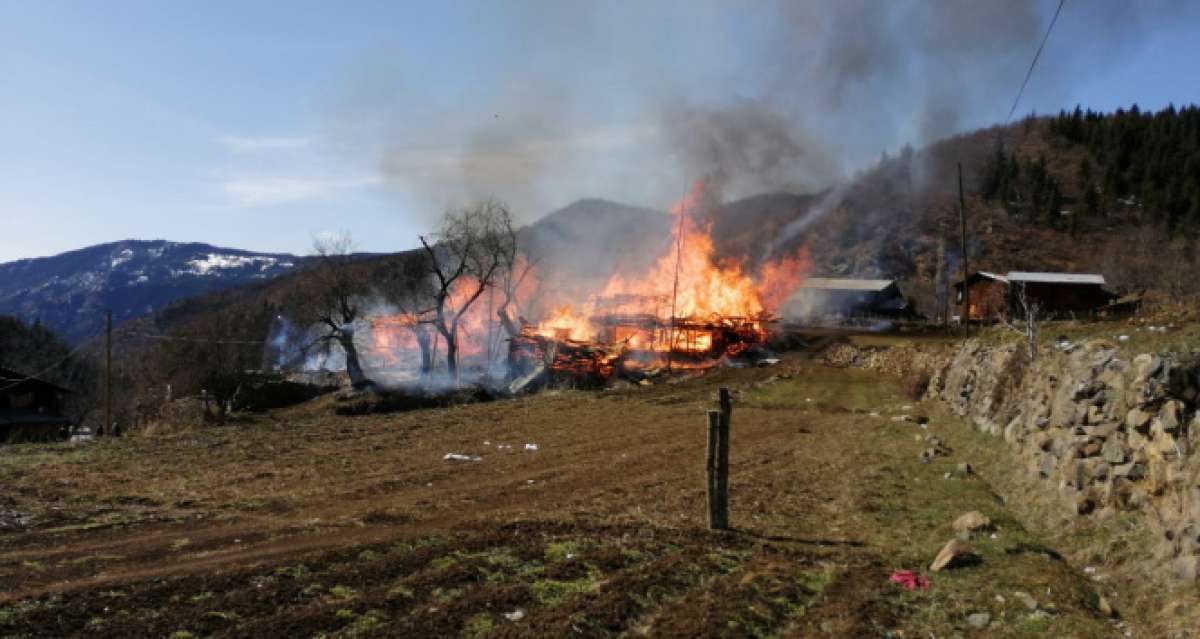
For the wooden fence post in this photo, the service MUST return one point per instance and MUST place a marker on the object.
(721, 517)
(710, 466)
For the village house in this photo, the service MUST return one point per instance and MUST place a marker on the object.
(992, 297)
(846, 298)
(31, 409)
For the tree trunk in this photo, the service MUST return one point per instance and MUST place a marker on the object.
(452, 355)
(353, 368)
(510, 327)
(425, 344)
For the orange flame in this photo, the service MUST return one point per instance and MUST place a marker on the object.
(716, 294)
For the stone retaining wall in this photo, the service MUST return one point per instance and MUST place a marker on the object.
(1108, 435)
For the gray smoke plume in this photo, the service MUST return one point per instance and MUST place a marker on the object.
(629, 101)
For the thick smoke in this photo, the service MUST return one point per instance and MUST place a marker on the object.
(554, 101)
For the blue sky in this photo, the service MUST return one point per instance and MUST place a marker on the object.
(260, 125)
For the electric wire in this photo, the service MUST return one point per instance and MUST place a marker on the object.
(1038, 54)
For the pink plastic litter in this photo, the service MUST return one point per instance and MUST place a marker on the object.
(910, 580)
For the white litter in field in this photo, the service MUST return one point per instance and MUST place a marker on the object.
(503, 446)
(515, 615)
(902, 418)
(906, 407)
(531, 446)
(808, 399)
(528, 481)
(874, 413)
(769, 361)
(1122, 338)
(460, 457)
(487, 443)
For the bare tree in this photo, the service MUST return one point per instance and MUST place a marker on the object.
(470, 253)
(209, 357)
(333, 299)
(407, 284)
(1029, 315)
(516, 268)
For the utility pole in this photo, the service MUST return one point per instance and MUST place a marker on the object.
(962, 227)
(675, 286)
(108, 373)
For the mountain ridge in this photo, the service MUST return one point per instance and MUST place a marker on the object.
(71, 291)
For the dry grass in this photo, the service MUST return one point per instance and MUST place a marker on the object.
(304, 523)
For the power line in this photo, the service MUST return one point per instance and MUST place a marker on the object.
(88, 342)
(53, 366)
(203, 340)
(1029, 73)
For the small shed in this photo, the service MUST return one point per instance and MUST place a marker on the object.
(987, 296)
(31, 409)
(991, 296)
(847, 298)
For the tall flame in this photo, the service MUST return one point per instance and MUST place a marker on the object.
(707, 287)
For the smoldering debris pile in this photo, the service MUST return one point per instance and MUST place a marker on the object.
(265, 391)
(395, 400)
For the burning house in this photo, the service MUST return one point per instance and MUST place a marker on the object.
(688, 309)
(992, 297)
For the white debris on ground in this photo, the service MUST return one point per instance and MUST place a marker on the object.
(515, 615)
(1122, 338)
(531, 446)
(769, 361)
(460, 457)
(12, 519)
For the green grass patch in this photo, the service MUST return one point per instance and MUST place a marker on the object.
(552, 592)
(480, 625)
(446, 595)
(342, 593)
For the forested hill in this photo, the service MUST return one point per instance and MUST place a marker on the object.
(1147, 160)
(1117, 194)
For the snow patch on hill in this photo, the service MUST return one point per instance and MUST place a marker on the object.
(215, 261)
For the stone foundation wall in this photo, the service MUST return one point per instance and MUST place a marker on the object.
(1108, 435)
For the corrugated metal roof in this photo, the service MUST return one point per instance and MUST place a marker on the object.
(840, 284)
(1056, 278)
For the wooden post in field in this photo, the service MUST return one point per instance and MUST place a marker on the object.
(710, 466)
(107, 427)
(962, 229)
(721, 518)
